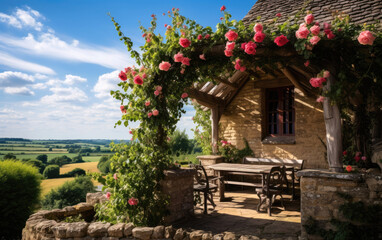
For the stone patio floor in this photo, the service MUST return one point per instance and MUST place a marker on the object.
(238, 215)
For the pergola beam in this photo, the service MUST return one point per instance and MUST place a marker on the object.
(227, 82)
(292, 78)
(205, 98)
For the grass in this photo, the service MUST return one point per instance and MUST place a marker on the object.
(50, 184)
(187, 158)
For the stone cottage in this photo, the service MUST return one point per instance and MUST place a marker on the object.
(276, 110)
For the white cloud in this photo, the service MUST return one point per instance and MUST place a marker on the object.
(15, 79)
(105, 83)
(49, 45)
(62, 94)
(16, 63)
(18, 91)
(71, 79)
(23, 18)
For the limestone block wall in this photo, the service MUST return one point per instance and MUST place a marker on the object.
(321, 201)
(244, 118)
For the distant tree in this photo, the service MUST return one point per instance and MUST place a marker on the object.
(38, 164)
(70, 193)
(9, 156)
(97, 149)
(43, 158)
(75, 172)
(104, 164)
(77, 159)
(61, 160)
(179, 142)
(50, 149)
(51, 171)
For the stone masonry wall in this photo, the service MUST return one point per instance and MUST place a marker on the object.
(320, 199)
(243, 119)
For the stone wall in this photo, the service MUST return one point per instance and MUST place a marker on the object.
(321, 201)
(243, 119)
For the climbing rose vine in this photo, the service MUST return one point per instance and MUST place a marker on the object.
(154, 91)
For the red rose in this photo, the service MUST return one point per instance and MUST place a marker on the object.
(250, 48)
(349, 168)
(281, 40)
(259, 37)
(228, 53)
(122, 76)
(184, 42)
(344, 153)
(230, 46)
(138, 80)
(278, 15)
(357, 158)
(186, 61)
(200, 37)
(222, 8)
(231, 35)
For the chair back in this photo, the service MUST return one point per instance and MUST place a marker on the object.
(276, 178)
(201, 175)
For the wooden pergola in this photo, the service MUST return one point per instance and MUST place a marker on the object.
(218, 96)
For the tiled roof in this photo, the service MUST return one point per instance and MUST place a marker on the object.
(360, 11)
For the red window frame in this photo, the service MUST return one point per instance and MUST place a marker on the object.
(280, 111)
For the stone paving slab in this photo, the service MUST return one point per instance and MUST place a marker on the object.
(240, 217)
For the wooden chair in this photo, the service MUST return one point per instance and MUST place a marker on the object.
(205, 184)
(273, 187)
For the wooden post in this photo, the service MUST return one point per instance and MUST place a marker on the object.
(333, 131)
(215, 129)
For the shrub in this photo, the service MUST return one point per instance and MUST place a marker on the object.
(43, 158)
(75, 172)
(9, 156)
(51, 171)
(38, 164)
(19, 191)
(60, 160)
(70, 193)
(104, 164)
(78, 159)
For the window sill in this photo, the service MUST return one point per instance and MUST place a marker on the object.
(285, 140)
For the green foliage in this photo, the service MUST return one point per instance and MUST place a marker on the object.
(61, 160)
(180, 144)
(38, 164)
(104, 164)
(78, 159)
(203, 130)
(70, 193)
(75, 172)
(9, 156)
(51, 171)
(233, 155)
(43, 158)
(361, 222)
(20, 190)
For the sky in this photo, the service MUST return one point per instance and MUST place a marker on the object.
(60, 59)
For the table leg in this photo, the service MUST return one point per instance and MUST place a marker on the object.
(221, 186)
(293, 195)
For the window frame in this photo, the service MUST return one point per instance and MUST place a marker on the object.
(280, 110)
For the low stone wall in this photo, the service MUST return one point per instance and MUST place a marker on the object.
(321, 201)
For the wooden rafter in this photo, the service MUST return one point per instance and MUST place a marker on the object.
(205, 98)
(292, 78)
(227, 82)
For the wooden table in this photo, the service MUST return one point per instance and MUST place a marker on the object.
(240, 169)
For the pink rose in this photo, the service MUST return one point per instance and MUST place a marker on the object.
(320, 99)
(366, 38)
(242, 68)
(281, 40)
(149, 114)
(314, 40)
(122, 76)
(133, 201)
(207, 36)
(302, 33)
(148, 40)
(164, 66)
(156, 92)
(165, 25)
(258, 27)
(108, 194)
(178, 57)
(278, 15)
(184, 95)
(186, 61)
(250, 48)
(326, 74)
(128, 70)
(123, 110)
(155, 112)
(182, 70)
(315, 30)
(228, 53)
(230, 46)
(144, 35)
(309, 18)
(327, 26)
(202, 57)
(364, 158)
(222, 8)
(231, 35)
(115, 176)
(138, 80)
(133, 73)
(130, 132)
(147, 103)
(158, 88)
(317, 82)
(168, 27)
(144, 75)
(259, 37)
(243, 45)
(330, 35)
(307, 63)
(200, 37)
(184, 42)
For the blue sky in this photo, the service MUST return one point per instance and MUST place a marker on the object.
(60, 59)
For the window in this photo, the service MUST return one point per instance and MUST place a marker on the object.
(280, 116)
